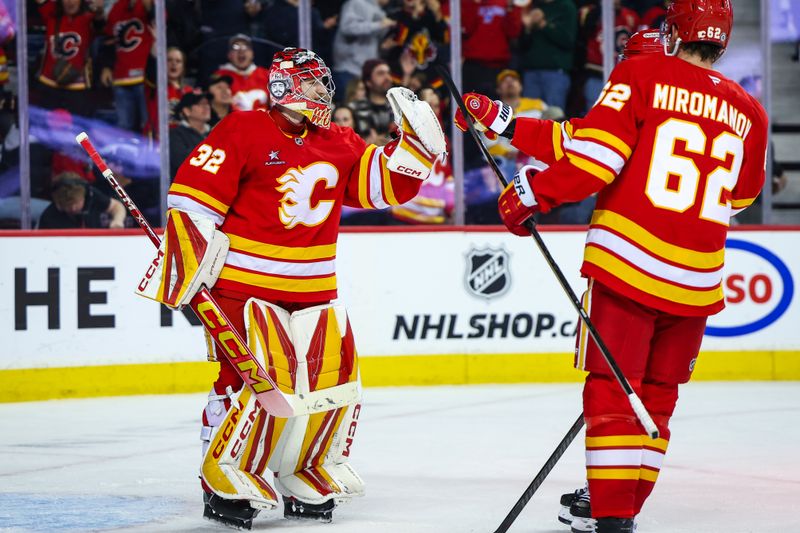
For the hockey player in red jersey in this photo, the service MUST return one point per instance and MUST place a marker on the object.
(254, 212)
(673, 149)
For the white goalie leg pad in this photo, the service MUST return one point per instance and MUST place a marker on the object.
(310, 458)
(336, 461)
(233, 460)
(191, 255)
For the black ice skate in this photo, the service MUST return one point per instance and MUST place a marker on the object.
(233, 513)
(297, 510)
(576, 511)
(615, 525)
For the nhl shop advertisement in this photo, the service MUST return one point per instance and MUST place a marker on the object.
(71, 302)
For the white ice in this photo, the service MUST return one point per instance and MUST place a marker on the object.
(436, 460)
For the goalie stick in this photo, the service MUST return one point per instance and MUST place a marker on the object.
(636, 403)
(228, 340)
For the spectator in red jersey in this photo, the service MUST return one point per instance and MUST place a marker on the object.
(130, 40)
(218, 92)
(488, 26)
(64, 75)
(194, 113)
(626, 22)
(249, 80)
(176, 88)
(547, 49)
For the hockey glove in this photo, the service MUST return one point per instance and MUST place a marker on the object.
(517, 203)
(490, 117)
(421, 140)
(191, 255)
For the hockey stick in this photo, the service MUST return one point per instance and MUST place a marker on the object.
(542, 475)
(207, 310)
(633, 398)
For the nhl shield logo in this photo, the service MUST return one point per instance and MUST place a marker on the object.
(487, 273)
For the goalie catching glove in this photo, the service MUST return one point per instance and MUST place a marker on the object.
(421, 140)
(490, 117)
(517, 203)
(190, 256)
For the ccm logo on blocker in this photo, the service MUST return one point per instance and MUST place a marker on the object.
(758, 290)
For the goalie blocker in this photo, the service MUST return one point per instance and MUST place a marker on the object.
(310, 354)
(190, 255)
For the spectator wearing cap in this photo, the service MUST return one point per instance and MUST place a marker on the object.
(374, 111)
(509, 90)
(248, 81)
(219, 19)
(218, 91)
(362, 25)
(547, 47)
(488, 26)
(195, 113)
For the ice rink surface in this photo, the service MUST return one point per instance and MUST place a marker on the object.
(435, 459)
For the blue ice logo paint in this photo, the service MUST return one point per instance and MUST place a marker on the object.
(758, 290)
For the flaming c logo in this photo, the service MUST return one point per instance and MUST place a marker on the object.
(297, 186)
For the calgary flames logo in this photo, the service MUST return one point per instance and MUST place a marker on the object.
(297, 186)
(128, 34)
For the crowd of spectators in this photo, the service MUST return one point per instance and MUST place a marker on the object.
(96, 61)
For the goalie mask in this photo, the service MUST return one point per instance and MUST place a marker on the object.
(299, 80)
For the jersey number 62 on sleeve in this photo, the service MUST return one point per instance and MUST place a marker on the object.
(683, 193)
(208, 158)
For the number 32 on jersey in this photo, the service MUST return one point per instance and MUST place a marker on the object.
(208, 158)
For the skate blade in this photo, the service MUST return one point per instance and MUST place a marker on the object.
(233, 523)
(564, 516)
(583, 525)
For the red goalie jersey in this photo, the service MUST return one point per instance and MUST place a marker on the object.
(279, 197)
(675, 150)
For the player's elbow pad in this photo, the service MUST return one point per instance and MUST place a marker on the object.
(191, 255)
